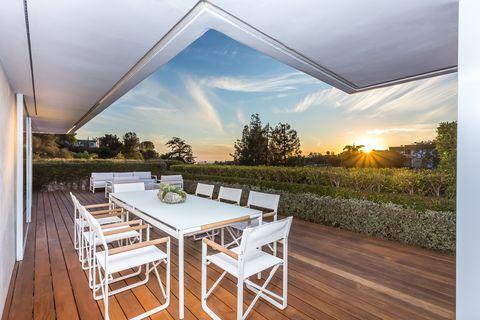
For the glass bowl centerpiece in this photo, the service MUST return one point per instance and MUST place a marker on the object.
(171, 194)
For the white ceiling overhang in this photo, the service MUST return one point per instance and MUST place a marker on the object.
(87, 54)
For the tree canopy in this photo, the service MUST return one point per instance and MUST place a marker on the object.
(110, 146)
(446, 145)
(131, 146)
(252, 148)
(179, 150)
(283, 144)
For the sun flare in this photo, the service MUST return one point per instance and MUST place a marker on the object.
(371, 144)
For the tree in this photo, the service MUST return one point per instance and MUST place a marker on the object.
(66, 140)
(252, 148)
(353, 148)
(131, 144)
(110, 146)
(283, 144)
(147, 149)
(446, 145)
(180, 150)
(427, 153)
(46, 146)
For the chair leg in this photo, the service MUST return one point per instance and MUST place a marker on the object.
(204, 294)
(240, 299)
(106, 297)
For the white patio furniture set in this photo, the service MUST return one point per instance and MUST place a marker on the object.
(108, 241)
(107, 180)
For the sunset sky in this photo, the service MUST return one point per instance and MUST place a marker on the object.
(207, 93)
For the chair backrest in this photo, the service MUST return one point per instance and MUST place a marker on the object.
(174, 180)
(125, 179)
(102, 176)
(143, 174)
(263, 200)
(122, 174)
(93, 226)
(75, 204)
(254, 238)
(230, 194)
(128, 187)
(204, 190)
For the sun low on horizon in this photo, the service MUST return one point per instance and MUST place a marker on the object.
(207, 93)
(371, 143)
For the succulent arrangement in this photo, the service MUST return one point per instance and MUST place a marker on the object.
(171, 194)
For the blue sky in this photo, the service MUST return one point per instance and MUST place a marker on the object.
(207, 93)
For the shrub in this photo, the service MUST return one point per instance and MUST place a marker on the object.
(430, 229)
(74, 174)
(415, 202)
(388, 180)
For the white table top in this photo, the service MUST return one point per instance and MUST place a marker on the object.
(194, 212)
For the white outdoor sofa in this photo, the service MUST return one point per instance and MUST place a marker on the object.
(100, 179)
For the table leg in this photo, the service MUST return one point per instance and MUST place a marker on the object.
(181, 288)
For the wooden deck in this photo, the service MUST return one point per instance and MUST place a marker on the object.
(334, 274)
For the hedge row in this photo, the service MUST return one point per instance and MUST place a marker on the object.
(414, 182)
(416, 202)
(430, 229)
(74, 174)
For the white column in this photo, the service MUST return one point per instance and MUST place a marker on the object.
(28, 130)
(468, 163)
(19, 179)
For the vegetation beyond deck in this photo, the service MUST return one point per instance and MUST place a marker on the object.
(334, 274)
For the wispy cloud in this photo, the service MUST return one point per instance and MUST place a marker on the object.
(281, 83)
(424, 95)
(208, 111)
(409, 129)
(241, 117)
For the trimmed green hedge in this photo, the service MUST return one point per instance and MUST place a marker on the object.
(386, 180)
(430, 229)
(416, 202)
(75, 174)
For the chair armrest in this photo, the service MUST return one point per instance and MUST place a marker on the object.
(123, 230)
(108, 215)
(224, 223)
(99, 205)
(93, 213)
(121, 224)
(269, 214)
(220, 248)
(138, 246)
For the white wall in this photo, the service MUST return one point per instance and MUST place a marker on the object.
(468, 163)
(7, 185)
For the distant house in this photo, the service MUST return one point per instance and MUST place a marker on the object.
(420, 155)
(87, 143)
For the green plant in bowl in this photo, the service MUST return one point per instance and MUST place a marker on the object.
(171, 194)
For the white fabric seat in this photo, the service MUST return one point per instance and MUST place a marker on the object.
(113, 237)
(246, 260)
(258, 262)
(256, 200)
(142, 256)
(174, 180)
(128, 187)
(130, 259)
(205, 190)
(102, 221)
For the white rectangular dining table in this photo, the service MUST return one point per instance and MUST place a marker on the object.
(195, 215)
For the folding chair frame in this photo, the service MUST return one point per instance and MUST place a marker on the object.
(260, 291)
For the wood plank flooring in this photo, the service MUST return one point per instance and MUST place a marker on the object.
(333, 274)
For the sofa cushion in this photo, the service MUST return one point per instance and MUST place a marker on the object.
(102, 176)
(125, 179)
(143, 174)
(122, 174)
